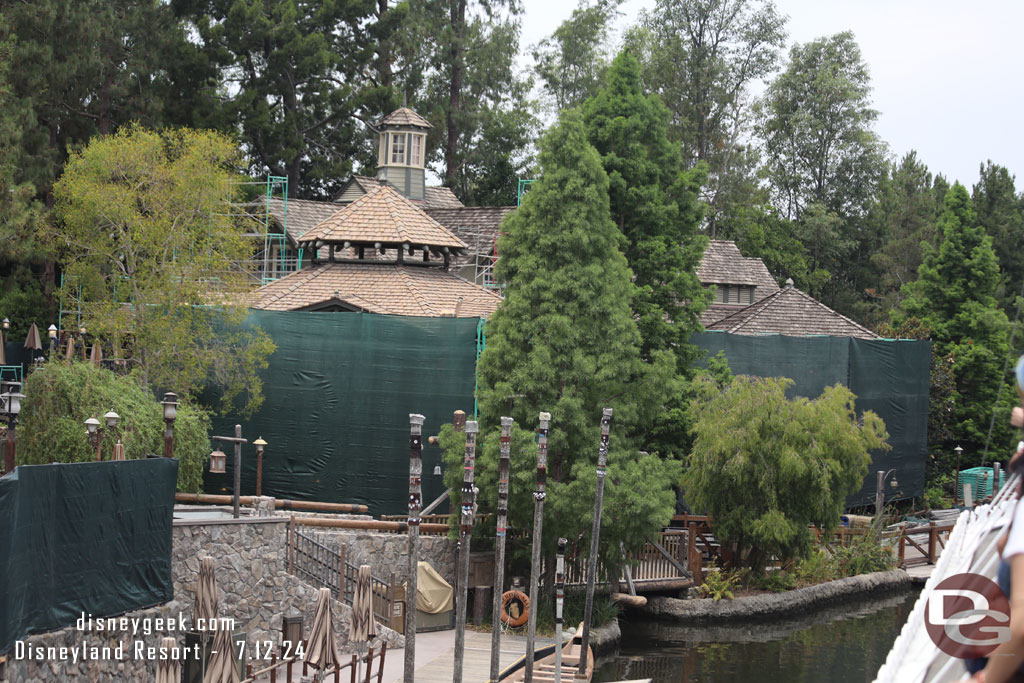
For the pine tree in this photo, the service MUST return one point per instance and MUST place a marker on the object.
(954, 296)
(564, 341)
(654, 203)
(1001, 213)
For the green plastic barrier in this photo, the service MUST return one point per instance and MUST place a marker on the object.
(890, 377)
(339, 391)
(83, 537)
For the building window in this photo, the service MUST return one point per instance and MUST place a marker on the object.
(416, 151)
(398, 148)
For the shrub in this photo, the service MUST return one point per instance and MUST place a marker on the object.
(60, 396)
(720, 584)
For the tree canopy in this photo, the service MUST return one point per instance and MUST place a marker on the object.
(147, 225)
(564, 341)
(765, 467)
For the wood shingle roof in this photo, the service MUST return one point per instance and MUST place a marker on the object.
(790, 312)
(383, 215)
(724, 264)
(405, 117)
(477, 226)
(437, 197)
(378, 288)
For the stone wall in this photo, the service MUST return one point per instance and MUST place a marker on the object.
(386, 553)
(250, 557)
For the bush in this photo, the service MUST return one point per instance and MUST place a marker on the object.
(775, 581)
(862, 556)
(720, 584)
(60, 396)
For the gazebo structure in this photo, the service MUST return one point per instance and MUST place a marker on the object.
(379, 254)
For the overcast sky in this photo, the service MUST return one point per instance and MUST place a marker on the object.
(946, 74)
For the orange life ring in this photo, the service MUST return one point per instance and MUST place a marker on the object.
(524, 615)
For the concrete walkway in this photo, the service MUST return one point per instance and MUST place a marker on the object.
(435, 656)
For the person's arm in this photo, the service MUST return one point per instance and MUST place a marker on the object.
(1006, 659)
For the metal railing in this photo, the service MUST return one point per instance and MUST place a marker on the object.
(325, 567)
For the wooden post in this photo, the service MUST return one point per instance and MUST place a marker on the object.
(902, 548)
(931, 543)
(539, 495)
(879, 495)
(559, 600)
(342, 563)
(499, 545)
(465, 530)
(291, 544)
(588, 609)
(480, 599)
(412, 571)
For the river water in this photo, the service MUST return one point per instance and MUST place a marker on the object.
(841, 644)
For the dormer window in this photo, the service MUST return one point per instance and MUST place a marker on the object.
(734, 294)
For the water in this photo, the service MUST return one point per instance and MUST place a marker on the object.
(840, 644)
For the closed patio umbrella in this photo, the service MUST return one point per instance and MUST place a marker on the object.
(205, 611)
(96, 354)
(364, 628)
(69, 348)
(33, 341)
(168, 670)
(222, 667)
(3, 352)
(321, 649)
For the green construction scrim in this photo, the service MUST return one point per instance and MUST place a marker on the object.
(83, 537)
(339, 390)
(889, 377)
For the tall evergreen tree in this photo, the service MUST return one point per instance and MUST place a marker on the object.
(290, 67)
(954, 296)
(1001, 213)
(654, 203)
(564, 340)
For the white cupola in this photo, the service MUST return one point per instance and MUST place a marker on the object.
(402, 152)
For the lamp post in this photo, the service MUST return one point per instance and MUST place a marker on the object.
(52, 332)
(260, 444)
(170, 404)
(6, 324)
(94, 430)
(956, 493)
(238, 441)
(12, 406)
(880, 491)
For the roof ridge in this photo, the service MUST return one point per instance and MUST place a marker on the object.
(761, 304)
(832, 310)
(414, 292)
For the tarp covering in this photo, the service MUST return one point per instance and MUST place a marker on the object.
(889, 377)
(83, 537)
(339, 390)
(433, 593)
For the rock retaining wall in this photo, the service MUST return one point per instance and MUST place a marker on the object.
(772, 605)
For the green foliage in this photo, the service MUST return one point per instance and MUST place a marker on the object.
(765, 467)
(295, 86)
(60, 396)
(863, 555)
(564, 341)
(775, 581)
(22, 305)
(571, 61)
(954, 297)
(701, 56)
(719, 584)
(1000, 212)
(146, 228)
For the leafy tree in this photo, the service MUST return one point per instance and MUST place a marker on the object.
(290, 67)
(564, 340)
(146, 227)
(60, 396)
(473, 95)
(903, 214)
(954, 297)
(571, 61)
(1000, 212)
(765, 467)
(654, 203)
(701, 56)
(816, 122)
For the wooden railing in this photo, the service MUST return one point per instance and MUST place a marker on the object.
(285, 665)
(326, 567)
(928, 541)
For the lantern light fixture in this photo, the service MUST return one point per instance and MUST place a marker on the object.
(92, 425)
(111, 419)
(217, 462)
(52, 331)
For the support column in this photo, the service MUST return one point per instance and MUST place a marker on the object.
(465, 530)
(588, 610)
(415, 502)
(499, 545)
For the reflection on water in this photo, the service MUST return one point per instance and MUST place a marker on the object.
(843, 644)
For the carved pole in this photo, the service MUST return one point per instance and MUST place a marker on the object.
(465, 530)
(559, 601)
(588, 609)
(415, 502)
(499, 545)
(538, 522)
